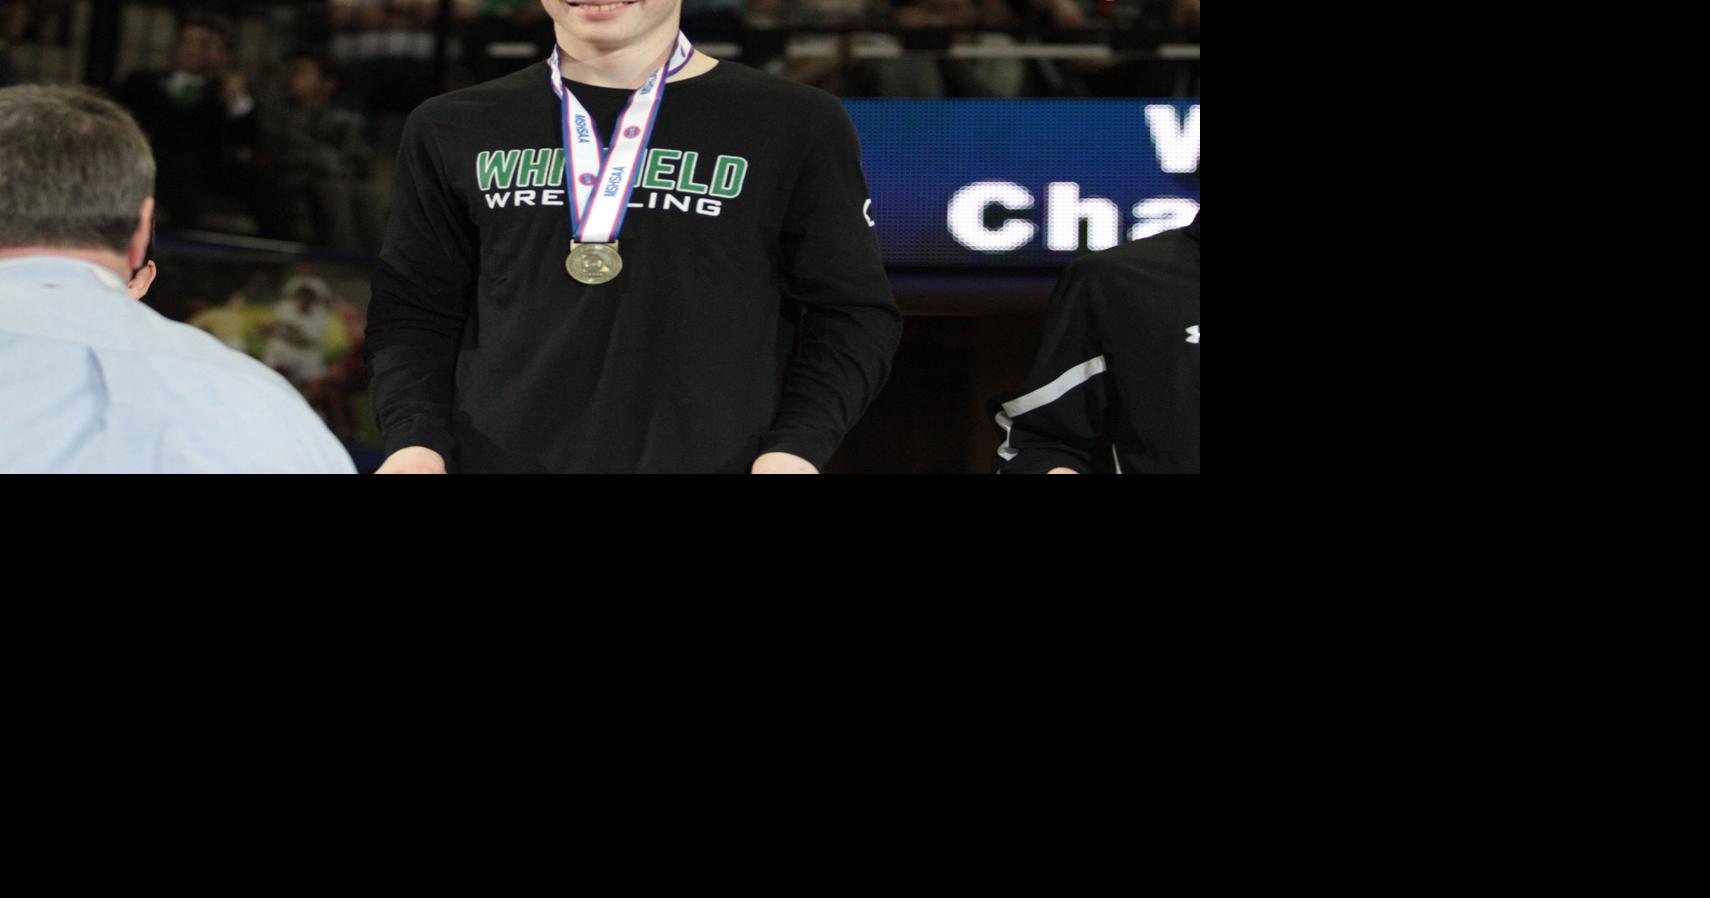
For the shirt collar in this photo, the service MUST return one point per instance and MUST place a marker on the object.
(60, 268)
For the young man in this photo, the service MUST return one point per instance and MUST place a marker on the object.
(1115, 385)
(694, 288)
(91, 380)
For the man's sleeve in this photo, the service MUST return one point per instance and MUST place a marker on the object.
(851, 326)
(422, 283)
(1056, 417)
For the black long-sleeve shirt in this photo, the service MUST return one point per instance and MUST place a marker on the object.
(1115, 384)
(752, 313)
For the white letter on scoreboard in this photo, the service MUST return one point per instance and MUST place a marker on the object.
(1177, 142)
(1064, 212)
(967, 218)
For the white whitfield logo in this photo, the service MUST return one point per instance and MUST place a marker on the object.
(867, 213)
(1193, 334)
(671, 180)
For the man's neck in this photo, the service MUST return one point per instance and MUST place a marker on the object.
(627, 67)
(109, 260)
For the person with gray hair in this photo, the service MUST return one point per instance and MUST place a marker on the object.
(92, 381)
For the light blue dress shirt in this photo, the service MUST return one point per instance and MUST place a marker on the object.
(93, 381)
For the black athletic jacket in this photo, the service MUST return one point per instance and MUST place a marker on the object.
(1115, 385)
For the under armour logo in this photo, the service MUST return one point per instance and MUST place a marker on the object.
(1193, 334)
(870, 222)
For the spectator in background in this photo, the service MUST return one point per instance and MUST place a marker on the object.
(929, 27)
(826, 72)
(14, 18)
(296, 343)
(386, 48)
(200, 120)
(91, 380)
(321, 158)
(983, 23)
(918, 74)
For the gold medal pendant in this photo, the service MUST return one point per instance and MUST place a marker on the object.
(594, 263)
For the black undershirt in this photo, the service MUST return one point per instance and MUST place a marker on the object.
(605, 104)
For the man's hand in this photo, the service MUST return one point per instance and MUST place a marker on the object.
(1062, 471)
(232, 86)
(782, 463)
(413, 460)
(235, 95)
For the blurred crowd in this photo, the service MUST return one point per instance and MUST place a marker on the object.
(281, 153)
(279, 120)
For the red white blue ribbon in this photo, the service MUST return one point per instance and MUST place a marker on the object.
(601, 182)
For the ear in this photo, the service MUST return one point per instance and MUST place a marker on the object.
(137, 252)
(145, 279)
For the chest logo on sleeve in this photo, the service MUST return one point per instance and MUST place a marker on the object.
(671, 180)
(1193, 334)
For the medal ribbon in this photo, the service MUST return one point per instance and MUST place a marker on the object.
(598, 207)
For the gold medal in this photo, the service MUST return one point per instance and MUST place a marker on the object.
(594, 263)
